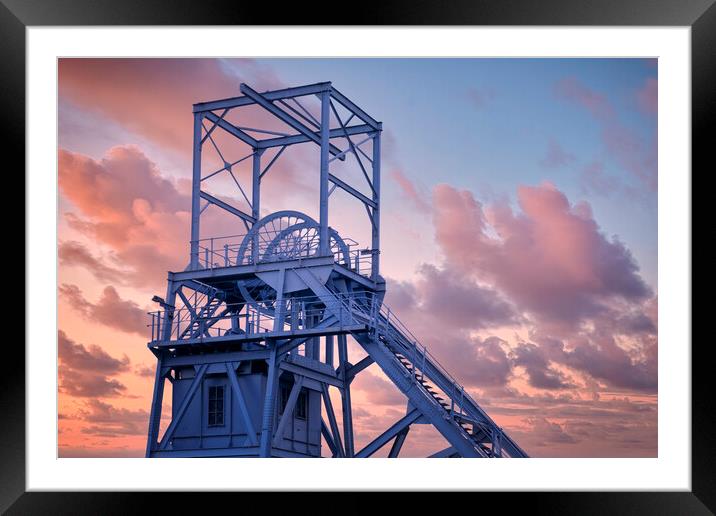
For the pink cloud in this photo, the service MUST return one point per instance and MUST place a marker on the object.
(479, 98)
(75, 254)
(537, 364)
(597, 104)
(110, 309)
(378, 390)
(632, 153)
(409, 190)
(624, 145)
(461, 302)
(106, 420)
(594, 179)
(569, 425)
(648, 96)
(599, 355)
(92, 358)
(118, 189)
(144, 371)
(556, 156)
(154, 97)
(480, 362)
(125, 203)
(87, 371)
(548, 432)
(550, 258)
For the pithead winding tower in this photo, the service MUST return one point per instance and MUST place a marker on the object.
(253, 334)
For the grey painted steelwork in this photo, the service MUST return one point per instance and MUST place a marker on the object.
(253, 335)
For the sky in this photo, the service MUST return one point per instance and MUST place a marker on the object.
(519, 235)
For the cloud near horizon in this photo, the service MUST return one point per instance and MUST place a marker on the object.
(88, 371)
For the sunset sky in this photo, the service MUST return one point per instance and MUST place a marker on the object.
(519, 236)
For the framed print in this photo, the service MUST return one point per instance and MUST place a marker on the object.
(428, 243)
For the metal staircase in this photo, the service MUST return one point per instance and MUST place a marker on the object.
(420, 377)
(448, 399)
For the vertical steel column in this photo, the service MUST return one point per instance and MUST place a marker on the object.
(155, 413)
(256, 200)
(315, 341)
(170, 301)
(269, 404)
(195, 191)
(375, 241)
(329, 350)
(280, 302)
(346, 396)
(325, 143)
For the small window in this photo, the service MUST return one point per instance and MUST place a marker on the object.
(301, 410)
(216, 405)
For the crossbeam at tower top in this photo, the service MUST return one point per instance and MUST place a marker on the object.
(286, 93)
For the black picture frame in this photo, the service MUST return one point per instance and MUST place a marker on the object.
(700, 15)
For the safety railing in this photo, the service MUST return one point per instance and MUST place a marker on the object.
(418, 356)
(228, 251)
(219, 251)
(361, 260)
(381, 317)
(252, 319)
(462, 405)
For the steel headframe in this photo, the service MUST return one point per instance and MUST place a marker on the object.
(267, 302)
